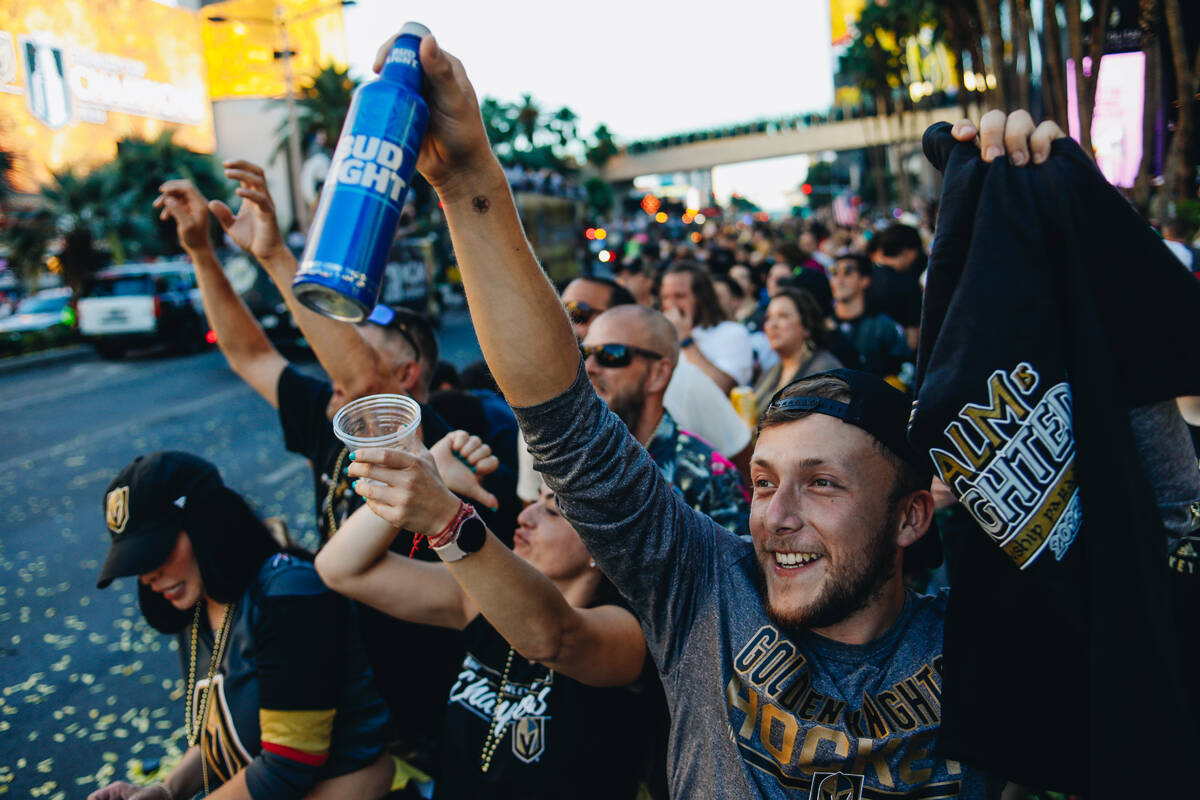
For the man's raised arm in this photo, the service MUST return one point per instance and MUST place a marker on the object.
(348, 360)
(523, 331)
(249, 353)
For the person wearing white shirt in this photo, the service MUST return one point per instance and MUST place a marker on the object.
(720, 348)
(700, 407)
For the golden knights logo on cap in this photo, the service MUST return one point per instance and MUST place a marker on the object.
(116, 509)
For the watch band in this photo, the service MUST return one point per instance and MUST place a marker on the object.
(449, 550)
(688, 341)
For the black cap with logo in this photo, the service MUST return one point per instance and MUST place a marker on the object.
(144, 507)
(881, 410)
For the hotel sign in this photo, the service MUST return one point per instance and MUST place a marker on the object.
(76, 76)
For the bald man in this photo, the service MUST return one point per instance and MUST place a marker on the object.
(630, 353)
(694, 400)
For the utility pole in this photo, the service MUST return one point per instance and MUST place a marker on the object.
(300, 208)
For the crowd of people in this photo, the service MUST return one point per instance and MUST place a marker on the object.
(542, 181)
(591, 576)
(765, 304)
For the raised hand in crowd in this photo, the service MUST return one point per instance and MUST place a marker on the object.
(459, 164)
(241, 339)
(180, 200)
(350, 361)
(1013, 134)
(455, 142)
(254, 227)
(464, 461)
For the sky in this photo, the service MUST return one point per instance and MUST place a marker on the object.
(643, 68)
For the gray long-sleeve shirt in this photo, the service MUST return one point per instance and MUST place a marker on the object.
(754, 713)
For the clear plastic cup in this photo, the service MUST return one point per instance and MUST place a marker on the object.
(378, 420)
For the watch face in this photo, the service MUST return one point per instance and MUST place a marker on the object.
(472, 535)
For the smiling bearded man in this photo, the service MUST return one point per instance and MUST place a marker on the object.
(756, 710)
(831, 552)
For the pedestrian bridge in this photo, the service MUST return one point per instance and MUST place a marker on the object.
(677, 154)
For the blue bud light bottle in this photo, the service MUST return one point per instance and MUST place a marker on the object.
(341, 272)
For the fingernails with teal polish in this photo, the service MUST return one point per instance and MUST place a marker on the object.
(352, 455)
(494, 510)
(354, 485)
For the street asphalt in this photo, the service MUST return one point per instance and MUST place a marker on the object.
(90, 693)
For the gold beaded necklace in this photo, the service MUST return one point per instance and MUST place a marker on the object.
(333, 484)
(496, 729)
(196, 726)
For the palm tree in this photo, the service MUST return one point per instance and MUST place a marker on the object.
(603, 148)
(499, 121)
(8, 166)
(528, 117)
(1148, 23)
(131, 182)
(1179, 169)
(74, 212)
(562, 124)
(106, 214)
(321, 108)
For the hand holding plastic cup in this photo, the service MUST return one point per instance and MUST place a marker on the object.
(378, 420)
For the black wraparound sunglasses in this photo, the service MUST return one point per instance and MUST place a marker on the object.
(579, 312)
(616, 355)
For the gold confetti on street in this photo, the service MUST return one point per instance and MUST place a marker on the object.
(89, 693)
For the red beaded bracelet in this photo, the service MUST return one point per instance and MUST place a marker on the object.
(446, 534)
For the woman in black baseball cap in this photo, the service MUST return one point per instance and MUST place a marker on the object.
(296, 709)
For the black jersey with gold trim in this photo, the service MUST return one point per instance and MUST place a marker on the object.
(294, 701)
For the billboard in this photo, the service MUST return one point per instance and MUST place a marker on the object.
(1117, 116)
(78, 75)
(242, 44)
(842, 16)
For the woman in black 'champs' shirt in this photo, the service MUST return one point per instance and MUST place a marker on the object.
(548, 701)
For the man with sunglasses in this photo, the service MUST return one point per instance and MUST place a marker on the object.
(694, 400)
(587, 296)
(630, 353)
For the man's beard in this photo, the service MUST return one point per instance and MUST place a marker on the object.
(847, 590)
(628, 405)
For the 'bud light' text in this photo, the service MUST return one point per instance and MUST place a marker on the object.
(403, 55)
(370, 162)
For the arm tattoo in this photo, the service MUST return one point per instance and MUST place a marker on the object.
(481, 203)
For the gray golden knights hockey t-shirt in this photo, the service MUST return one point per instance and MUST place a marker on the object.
(753, 712)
